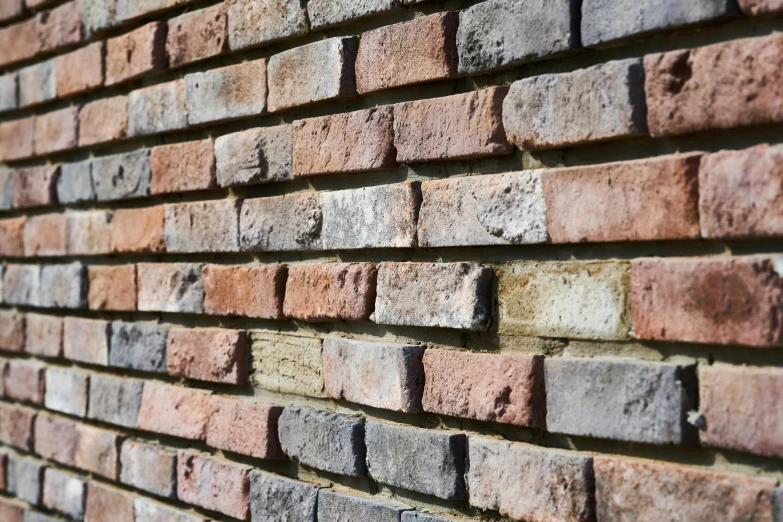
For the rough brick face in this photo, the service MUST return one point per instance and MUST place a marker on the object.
(244, 427)
(140, 346)
(17, 139)
(115, 400)
(173, 410)
(136, 53)
(213, 484)
(138, 230)
(229, 92)
(44, 335)
(46, 235)
(334, 506)
(271, 495)
(105, 504)
(86, 340)
(291, 222)
(202, 227)
(12, 237)
(66, 391)
(103, 121)
(112, 288)
(156, 109)
(149, 468)
(12, 331)
(288, 364)
(80, 70)
(18, 42)
(60, 27)
(254, 156)
(197, 35)
(24, 381)
(56, 131)
(16, 426)
(252, 291)
(35, 187)
(255, 22)
(342, 291)
(89, 233)
(182, 167)
(122, 176)
(208, 354)
(170, 287)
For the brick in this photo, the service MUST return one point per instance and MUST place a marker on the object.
(64, 493)
(12, 237)
(103, 121)
(106, 504)
(730, 300)
(86, 340)
(77, 445)
(56, 438)
(37, 84)
(74, 184)
(21, 284)
(319, 71)
(270, 496)
(149, 468)
(33, 516)
(508, 389)
(59, 27)
(16, 426)
(721, 86)
(447, 295)
(44, 335)
(56, 131)
(9, 91)
(333, 291)
(115, 400)
(290, 222)
(7, 177)
(11, 9)
(122, 176)
(254, 156)
(112, 288)
(724, 394)
(208, 354)
(213, 484)
(205, 226)
(328, 13)
(439, 457)
(136, 53)
(576, 300)
(89, 233)
(12, 331)
(759, 7)
(159, 108)
(247, 291)
(11, 510)
(17, 139)
(197, 35)
(334, 507)
(35, 186)
(24, 381)
(66, 391)
(247, 428)
(148, 511)
(327, 441)
(129, 10)
(81, 70)
(547, 484)
(37, 4)
(170, 287)
(255, 22)
(19, 42)
(25, 478)
(138, 346)
(182, 167)
(173, 410)
(3, 471)
(381, 375)
(138, 230)
(501, 209)
(288, 364)
(677, 493)
(63, 286)
(643, 200)
(226, 93)
(46, 235)
(453, 127)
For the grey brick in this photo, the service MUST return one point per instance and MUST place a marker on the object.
(323, 440)
(156, 109)
(36, 83)
(25, 478)
(205, 226)
(426, 461)
(503, 33)
(255, 22)
(32, 516)
(292, 222)
(149, 467)
(170, 287)
(288, 364)
(66, 391)
(605, 21)
(620, 400)
(21, 285)
(9, 91)
(115, 400)
(63, 286)
(414, 516)
(335, 507)
(122, 176)
(601, 103)
(138, 346)
(75, 183)
(226, 93)
(64, 493)
(99, 15)
(777, 505)
(6, 188)
(254, 156)
(148, 511)
(274, 498)
(327, 13)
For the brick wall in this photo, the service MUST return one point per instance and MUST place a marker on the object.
(391, 260)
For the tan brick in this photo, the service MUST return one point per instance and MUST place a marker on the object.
(138, 230)
(35, 186)
(182, 167)
(247, 428)
(213, 484)
(112, 288)
(57, 131)
(86, 340)
(136, 53)
(18, 42)
(80, 70)
(16, 426)
(24, 381)
(78, 445)
(12, 237)
(174, 410)
(106, 504)
(17, 138)
(288, 364)
(44, 335)
(12, 331)
(103, 121)
(226, 93)
(197, 35)
(89, 233)
(247, 291)
(208, 354)
(170, 287)
(59, 27)
(335, 291)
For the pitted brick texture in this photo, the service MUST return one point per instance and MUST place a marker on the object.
(253, 291)
(182, 167)
(229, 92)
(254, 156)
(208, 354)
(335, 291)
(256, 22)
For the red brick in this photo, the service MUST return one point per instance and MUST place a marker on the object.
(103, 121)
(422, 50)
(60, 27)
(182, 167)
(12, 331)
(138, 230)
(213, 484)
(11, 510)
(353, 142)
(24, 381)
(17, 138)
(197, 35)
(112, 288)
(12, 237)
(56, 438)
(80, 70)
(37, 4)
(248, 291)
(44, 335)
(35, 186)
(56, 131)
(723, 300)
(46, 235)
(16, 426)
(461, 126)
(629, 490)
(11, 9)
(18, 42)
(502, 388)
(106, 504)
(99, 451)
(149, 467)
(174, 410)
(208, 354)
(77, 445)
(760, 7)
(86, 340)
(720, 86)
(342, 291)
(136, 53)
(248, 428)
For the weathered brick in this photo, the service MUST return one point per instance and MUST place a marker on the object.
(106, 504)
(254, 156)
(501, 209)
(454, 127)
(21, 284)
(16, 426)
(208, 354)
(323, 440)
(170, 287)
(7, 177)
(64, 493)
(288, 364)
(174, 410)
(149, 467)
(159, 108)
(147, 511)
(319, 71)
(12, 331)
(46, 235)
(56, 438)
(17, 139)
(129, 10)
(74, 184)
(290, 222)
(204, 226)
(643, 200)
(115, 400)
(333, 291)
(334, 507)
(24, 381)
(89, 233)
(197, 35)
(12, 237)
(729, 300)
(677, 493)
(77, 445)
(19, 42)
(182, 167)
(447, 295)
(37, 84)
(271, 496)
(66, 391)
(56, 131)
(248, 428)
(112, 288)
(721, 86)
(439, 458)
(79, 71)
(136, 53)
(547, 484)
(9, 91)
(103, 121)
(86, 340)
(44, 335)
(34, 516)
(138, 230)
(59, 27)
(25, 478)
(11, 510)
(226, 93)
(328, 13)
(122, 176)
(248, 291)
(759, 7)
(139, 346)
(11, 9)
(213, 484)
(35, 186)
(572, 299)
(63, 286)
(255, 22)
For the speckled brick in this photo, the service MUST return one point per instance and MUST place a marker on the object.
(336, 507)
(256, 22)
(139, 346)
(81, 70)
(328, 13)
(333, 291)
(16, 426)
(66, 391)
(104, 120)
(43, 335)
(244, 427)
(74, 184)
(182, 167)
(290, 222)
(136, 53)
(149, 467)
(89, 233)
(12, 331)
(46, 235)
(208, 354)
(247, 291)
(17, 138)
(63, 286)
(56, 131)
(288, 364)
(206, 226)
(159, 108)
(12, 237)
(254, 156)
(197, 35)
(138, 230)
(64, 493)
(21, 284)
(170, 287)
(37, 84)
(86, 340)
(59, 27)
(115, 400)
(226, 93)
(174, 410)
(36, 186)
(112, 288)
(271, 495)
(122, 176)
(213, 484)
